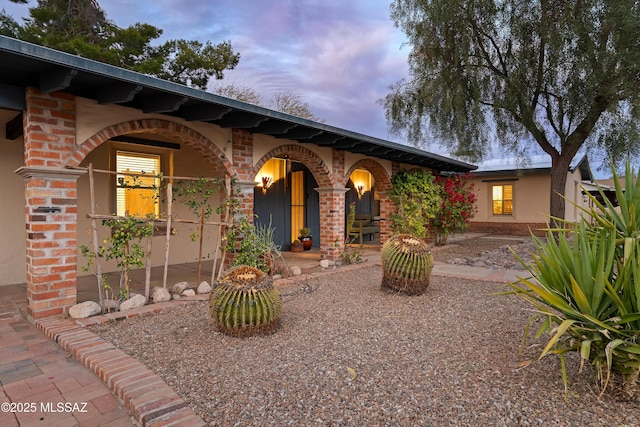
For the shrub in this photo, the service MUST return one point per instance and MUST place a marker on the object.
(587, 288)
(417, 200)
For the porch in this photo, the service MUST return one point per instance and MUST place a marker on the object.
(308, 261)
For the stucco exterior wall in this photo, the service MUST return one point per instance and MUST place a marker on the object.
(182, 249)
(530, 202)
(12, 227)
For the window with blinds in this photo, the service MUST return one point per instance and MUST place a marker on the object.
(137, 195)
(502, 199)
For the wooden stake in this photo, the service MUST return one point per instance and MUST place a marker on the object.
(201, 240)
(168, 239)
(147, 275)
(96, 246)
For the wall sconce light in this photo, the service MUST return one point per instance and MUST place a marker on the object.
(360, 189)
(266, 183)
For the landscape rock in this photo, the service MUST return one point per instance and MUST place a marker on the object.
(134, 301)
(277, 276)
(189, 293)
(324, 263)
(180, 287)
(175, 297)
(84, 310)
(296, 271)
(159, 294)
(204, 288)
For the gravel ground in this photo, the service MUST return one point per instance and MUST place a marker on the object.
(493, 253)
(350, 354)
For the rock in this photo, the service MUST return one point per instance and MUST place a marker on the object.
(479, 264)
(175, 296)
(204, 288)
(296, 271)
(84, 310)
(134, 301)
(277, 276)
(179, 287)
(189, 293)
(159, 294)
(324, 263)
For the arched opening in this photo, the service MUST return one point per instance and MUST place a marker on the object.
(152, 146)
(285, 199)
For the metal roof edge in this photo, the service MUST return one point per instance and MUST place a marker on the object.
(65, 59)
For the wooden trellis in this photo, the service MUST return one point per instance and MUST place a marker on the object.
(222, 227)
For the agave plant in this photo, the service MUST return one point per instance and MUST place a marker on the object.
(587, 287)
(406, 264)
(244, 302)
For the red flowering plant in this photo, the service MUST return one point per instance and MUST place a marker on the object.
(457, 206)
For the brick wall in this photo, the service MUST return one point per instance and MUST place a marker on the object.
(513, 228)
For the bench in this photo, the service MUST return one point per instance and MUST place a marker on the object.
(363, 225)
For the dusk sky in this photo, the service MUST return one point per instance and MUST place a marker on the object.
(339, 56)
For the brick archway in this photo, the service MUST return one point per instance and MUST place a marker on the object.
(311, 160)
(383, 188)
(183, 134)
(380, 175)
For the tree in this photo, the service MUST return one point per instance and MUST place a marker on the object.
(284, 100)
(562, 73)
(239, 92)
(81, 27)
(290, 103)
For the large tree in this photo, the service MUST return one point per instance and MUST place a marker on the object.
(81, 27)
(562, 73)
(284, 100)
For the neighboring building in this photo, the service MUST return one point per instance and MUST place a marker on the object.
(513, 194)
(60, 112)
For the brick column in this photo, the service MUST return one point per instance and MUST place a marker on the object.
(387, 209)
(51, 239)
(245, 197)
(332, 209)
(242, 142)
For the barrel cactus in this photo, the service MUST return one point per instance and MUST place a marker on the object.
(406, 264)
(244, 302)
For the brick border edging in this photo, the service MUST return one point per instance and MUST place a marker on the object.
(147, 398)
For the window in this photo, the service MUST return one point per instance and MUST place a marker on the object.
(502, 198)
(137, 195)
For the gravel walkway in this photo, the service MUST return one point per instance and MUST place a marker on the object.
(350, 354)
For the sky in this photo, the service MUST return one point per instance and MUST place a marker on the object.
(339, 56)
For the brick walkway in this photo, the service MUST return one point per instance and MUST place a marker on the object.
(36, 374)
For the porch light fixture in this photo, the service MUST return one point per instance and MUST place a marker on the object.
(266, 183)
(360, 189)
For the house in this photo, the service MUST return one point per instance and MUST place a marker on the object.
(61, 113)
(513, 194)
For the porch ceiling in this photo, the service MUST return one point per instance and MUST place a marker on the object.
(25, 64)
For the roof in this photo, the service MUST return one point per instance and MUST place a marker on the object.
(531, 164)
(25, 64)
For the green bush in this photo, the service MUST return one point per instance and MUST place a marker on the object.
(417, 199)
(586, 286)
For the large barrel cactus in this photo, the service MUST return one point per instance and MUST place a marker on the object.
(406, 264)
(244, 302)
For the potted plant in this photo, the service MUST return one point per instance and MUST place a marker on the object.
(297, 246)
(306, 238)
